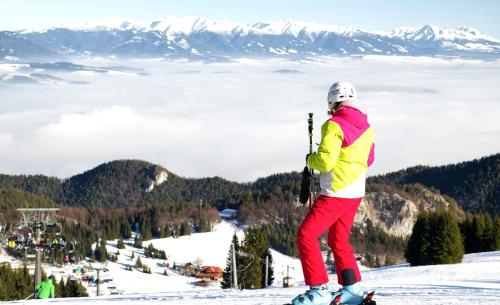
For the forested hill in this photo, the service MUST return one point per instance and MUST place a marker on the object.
(475, 184)
(13, 198)
(127, 183)
(49, 187)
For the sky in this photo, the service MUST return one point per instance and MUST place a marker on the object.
(380, 15)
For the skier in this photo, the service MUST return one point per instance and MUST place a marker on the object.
(12, 243)
(55, 243)
(45, 289)
(344, 154)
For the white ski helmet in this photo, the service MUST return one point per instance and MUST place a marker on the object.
(340, 92)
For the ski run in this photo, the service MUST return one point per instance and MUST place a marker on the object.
(475, 281)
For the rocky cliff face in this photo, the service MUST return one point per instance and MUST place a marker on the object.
(158, 177)
(393, 213)
(396, 214)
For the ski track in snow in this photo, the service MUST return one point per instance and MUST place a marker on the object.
(403, 294)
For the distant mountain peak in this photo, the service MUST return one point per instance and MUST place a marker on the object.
(200, 38)
(433, 32)
(190, 24)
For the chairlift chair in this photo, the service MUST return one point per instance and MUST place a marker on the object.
(53, 228)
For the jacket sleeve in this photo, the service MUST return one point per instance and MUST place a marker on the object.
(371, 156)
(329, 148)
(51, 295)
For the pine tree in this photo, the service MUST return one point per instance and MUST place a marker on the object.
(497, 234)
(58, 288)
(227, 275)
(388, 261)
(138, 242)
(175, 230)
(145, 227)
(477, 231)
(120, 244)
(125, 231)
(488, 238)
(24, 280)
(100, 253)
(467, 232)
(262, 247)
(369, 261)
(251, 273)
(168, 231)
(446, 242)
(148, 251)
(480, 233)
(436, 239)
(138, 263)
(163, 233)
(417, 250)
(74, 289)
(204, 226)
(15, 284)
(185, 229)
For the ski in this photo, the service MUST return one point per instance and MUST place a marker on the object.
(366, 301)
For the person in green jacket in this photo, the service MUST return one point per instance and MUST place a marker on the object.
(45, 289)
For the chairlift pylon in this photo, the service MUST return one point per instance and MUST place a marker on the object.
(3, 227)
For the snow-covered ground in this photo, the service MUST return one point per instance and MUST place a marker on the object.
(475, 281)
(209, 248)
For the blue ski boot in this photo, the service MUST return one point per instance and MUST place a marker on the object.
(317, 295)
(349, 295)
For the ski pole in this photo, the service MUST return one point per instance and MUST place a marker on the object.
(311, 186)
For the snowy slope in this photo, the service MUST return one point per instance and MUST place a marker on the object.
(475, 281)
(209, 248)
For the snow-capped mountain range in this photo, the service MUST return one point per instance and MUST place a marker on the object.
(198, 38)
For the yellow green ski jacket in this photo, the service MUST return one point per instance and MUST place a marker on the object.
(344, 154)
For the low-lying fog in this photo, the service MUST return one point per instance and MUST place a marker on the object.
(240, 120)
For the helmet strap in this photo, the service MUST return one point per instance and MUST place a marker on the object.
(335, 107)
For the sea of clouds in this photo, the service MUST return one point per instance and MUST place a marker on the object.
(246, 119)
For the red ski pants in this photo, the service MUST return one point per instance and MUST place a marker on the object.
(337, 216)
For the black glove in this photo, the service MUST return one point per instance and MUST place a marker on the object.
(305, 186)
(307, 156)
